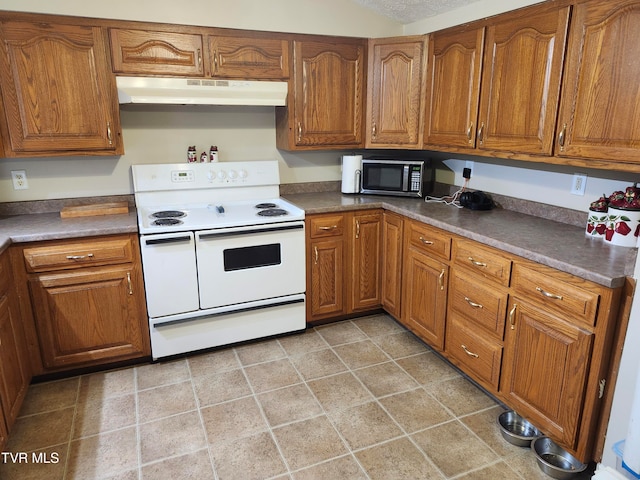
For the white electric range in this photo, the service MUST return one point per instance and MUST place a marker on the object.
(223, 255)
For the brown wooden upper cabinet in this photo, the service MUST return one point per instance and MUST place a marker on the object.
(149, 52)
(600, 109)
(325, 105)
(395, 92)
(249, 57)
(520, 82)
(58, 92)
(453, 87)
(154, 52)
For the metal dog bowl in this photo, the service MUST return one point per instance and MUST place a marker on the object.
(555, 461)
(516, 429)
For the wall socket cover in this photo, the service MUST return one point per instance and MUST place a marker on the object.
(579, 184)
(19, 178)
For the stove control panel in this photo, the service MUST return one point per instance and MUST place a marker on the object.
(182, 176)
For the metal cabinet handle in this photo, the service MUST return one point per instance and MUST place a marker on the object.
(476, 263)
(473, 304)
(79, 257)
(470, 132)
(425, 241)
(215, 60)
(109, 133)
(512, 316)
(562, 136)
(549, 295)
(332, 227)
(441, 279)
(315, 253)
(374, 130)
(357, 228)
(129, 283)
(471, 354)
(481, 133)
(299, 131)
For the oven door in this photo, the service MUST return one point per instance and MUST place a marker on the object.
(169, 268)
(243, 264)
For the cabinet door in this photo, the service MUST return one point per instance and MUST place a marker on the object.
(89, 316)
(424, 301)
(600, 112)
(14, 375)
(545, 369)
(326, 285)
(249, 58)
(521, 81)
(365, 285)
(395, 92)
(151, 52)
(392, 263)
(58, 90)
(453, 87)
(328, 94)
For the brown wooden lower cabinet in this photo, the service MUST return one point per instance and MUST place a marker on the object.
(87, 301)
(15, 371)
(536, 338)
(343, 264)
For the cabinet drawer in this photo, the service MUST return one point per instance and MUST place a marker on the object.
(78, 254)
(543, 286)
(477, 354)
(326, 226)
(430, 240)
(484, 304)
(485, 261)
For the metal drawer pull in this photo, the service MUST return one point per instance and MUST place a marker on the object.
(549, 295)
(425, 241)
(79, 257)
(332, 227)
(471, 354)
(476, 263)
(129, 282)
(357, 228)
(441, 279)
(473, 304)
(512, 316)
(315, 251)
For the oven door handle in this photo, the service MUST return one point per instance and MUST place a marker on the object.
(158, 241)
(235, 233)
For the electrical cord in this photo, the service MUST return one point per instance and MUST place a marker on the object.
(449, 199)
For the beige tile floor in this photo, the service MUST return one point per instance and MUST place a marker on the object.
(361, 399)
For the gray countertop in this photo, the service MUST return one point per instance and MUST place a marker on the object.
(49, 226)
(558, 245)
(551, 243)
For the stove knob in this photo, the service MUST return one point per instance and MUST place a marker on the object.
(211, 175)
(222, 174)
(243, 173)
(233, 174)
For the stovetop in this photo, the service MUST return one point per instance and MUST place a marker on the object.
(209, 196)
(216, 215)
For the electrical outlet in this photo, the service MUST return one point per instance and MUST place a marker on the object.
(19, 178)
(469, 165)
(579, 184)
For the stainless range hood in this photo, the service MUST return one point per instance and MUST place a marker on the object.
(193, 91)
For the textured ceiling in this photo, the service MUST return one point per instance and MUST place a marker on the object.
(408, 11)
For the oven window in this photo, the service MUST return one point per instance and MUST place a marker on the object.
(251, 257)
(381, 177)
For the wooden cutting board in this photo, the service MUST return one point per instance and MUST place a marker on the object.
(111, 208)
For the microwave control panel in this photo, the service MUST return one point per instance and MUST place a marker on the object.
(415, 178)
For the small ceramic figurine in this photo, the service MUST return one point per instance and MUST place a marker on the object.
(191, 154)
(213, 154)
(204, 157)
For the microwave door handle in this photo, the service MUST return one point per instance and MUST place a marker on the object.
(405, 178)
(357, 181)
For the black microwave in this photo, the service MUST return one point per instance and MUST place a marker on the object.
(405, 178)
